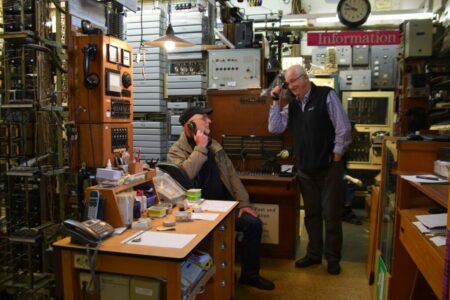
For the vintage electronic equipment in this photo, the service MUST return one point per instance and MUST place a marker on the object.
(360, 55)
(384, 66)
(365, 150)
(373, 114)
(100, 142)
(234, 69)
(418, 38)
(355, 80)
(343, 55)
(319, 56)
(243, 34)
(369, 108)
(417, 86)
(89, 232)
(192, 85)
(105, 69)
(187, 67)
(324, 81)
(151, 138)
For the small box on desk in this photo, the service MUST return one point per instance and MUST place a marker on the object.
(136, 167)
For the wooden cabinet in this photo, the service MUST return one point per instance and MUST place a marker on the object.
(282, 238)
(401, 156)
(418, 266)
(222, 250)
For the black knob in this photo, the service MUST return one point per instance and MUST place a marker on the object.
(126, 79)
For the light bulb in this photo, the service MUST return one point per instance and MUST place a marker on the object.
(169, 45)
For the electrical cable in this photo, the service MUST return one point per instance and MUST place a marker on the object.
(92, 259)
(53, 56)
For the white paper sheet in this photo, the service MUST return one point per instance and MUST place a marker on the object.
(421, 228)
(422, 178)
(161, 239)
(216, 205)
(204, 216)
(433, 220)
(438, 240)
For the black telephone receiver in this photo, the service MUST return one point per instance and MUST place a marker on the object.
(192, 127)
(91, 80)
(88, 232)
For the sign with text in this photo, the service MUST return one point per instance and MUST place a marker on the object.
(269, 215)
(350, 38)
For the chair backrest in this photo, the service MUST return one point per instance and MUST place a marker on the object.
(177, 173)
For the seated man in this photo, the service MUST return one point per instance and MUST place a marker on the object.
(210, 169)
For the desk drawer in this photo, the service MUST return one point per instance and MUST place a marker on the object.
(425, 255)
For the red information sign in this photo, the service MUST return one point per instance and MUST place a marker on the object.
(349, 38)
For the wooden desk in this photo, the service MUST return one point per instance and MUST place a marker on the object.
(283, 192)
(418, 264)
(216, 237)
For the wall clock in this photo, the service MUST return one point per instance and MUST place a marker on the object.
(353, 13)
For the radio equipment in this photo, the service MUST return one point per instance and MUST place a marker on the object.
(234, 69)
(105, 69)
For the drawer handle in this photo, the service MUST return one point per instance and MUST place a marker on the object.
(223, 227)
(402, 229)
(223, 283)
(223, 246)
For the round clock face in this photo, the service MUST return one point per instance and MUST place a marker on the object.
(353, 13)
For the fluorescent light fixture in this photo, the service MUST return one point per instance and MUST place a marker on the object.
(393, 15)
(268, 25)
(303, 22)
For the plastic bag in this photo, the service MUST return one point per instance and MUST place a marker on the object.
(167, 188)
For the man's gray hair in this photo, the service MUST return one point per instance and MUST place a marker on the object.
(297, 69)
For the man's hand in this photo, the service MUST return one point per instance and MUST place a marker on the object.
(201, 139)
(275, 93)
(248, 210)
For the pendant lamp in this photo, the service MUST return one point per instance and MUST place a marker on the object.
(169, 41)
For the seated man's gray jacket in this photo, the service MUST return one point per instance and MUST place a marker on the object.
(191, 160)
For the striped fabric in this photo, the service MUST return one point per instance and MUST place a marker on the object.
(447, 268)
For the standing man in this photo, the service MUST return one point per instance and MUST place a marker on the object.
(207, 165)
(321, 132)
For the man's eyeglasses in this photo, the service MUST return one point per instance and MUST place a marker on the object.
(294, 80)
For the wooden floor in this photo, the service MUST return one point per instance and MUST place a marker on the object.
(314, 282)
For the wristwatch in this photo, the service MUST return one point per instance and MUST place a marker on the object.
(275, 97)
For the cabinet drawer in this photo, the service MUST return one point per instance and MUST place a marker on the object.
(425, 255)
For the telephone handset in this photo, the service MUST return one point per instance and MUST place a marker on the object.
(192, 127)
(91, 80)
(95, 206)
(87, 232)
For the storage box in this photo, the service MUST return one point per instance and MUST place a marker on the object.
(145, 289)
(114, 287)
(136, 167)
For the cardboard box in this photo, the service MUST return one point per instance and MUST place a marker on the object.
(145, 289)
(114, 287)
